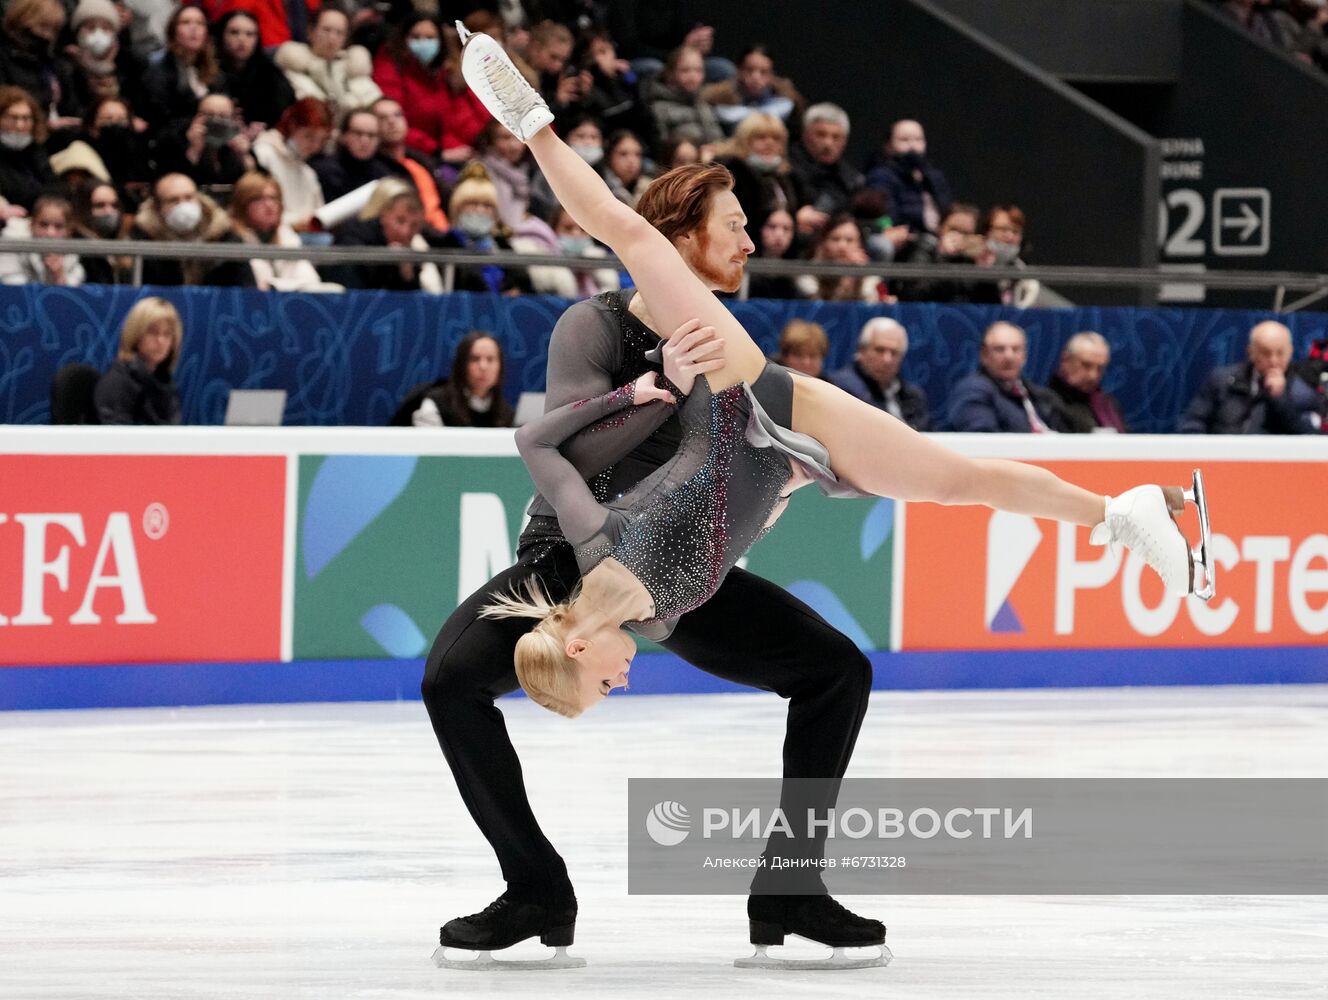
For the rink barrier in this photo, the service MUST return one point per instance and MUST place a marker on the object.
(210, 565)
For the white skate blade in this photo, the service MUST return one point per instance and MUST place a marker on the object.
(837, 960)
(485, 962)
(1203, 555)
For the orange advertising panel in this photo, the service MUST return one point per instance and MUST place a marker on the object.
(977, 579)
(117, 559)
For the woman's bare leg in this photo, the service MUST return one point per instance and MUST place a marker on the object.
(878, 454)
(672, 292)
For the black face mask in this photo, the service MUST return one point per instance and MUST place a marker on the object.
(912, 160)
(265, 235)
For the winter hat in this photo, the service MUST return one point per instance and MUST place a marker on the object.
(78, 155)
(102, 10)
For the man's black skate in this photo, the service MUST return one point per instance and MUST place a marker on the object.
(506, 921)
(816, 918)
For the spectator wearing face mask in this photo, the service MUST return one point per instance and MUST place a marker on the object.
(392, 129)
(356, 161)
(110, 130)
(49, 221)
(476, 228)
(958, 244)
(97, 66)
(756, 88)
(565, 237)
(27, 48)
(326, 69)
(1003, 230)
(284, 152)
(248, 75)
(411, 69)
(213, 149)
(918, 193)
(99, 215)
(676, 103)
(756, 157)
(394, 217)
(510, 166)
(176, 211)
(24, 168)
(1077, 383)
(586, 137)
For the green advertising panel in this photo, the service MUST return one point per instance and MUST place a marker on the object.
(387, 545)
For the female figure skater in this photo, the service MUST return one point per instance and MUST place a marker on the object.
(663, 547)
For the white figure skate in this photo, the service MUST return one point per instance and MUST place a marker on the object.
(504, 92)
(1143, 520)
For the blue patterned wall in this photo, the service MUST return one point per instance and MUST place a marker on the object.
(348, 359)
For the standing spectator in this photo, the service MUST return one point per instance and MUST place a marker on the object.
(96, 66)
(476, 227)
(24, 168)
(471, 397)
(840, 242)
(111, 131)
(614, 96)
(803, 346)
(99, 215)
(392, 129)
(755, 88)
(1085, 405)
(1255, 396)
(285, 151)
(919, 195)
(774, 241)
(874, 374)
(676, 103)
(248, 74)
(756, 157)
(177, 211)
(356, 161)
(256, 210)
(140, 387)
(181, 75)
(827, 182)
(563, 281)
(326, 69)
(27, 55)
(49, 221)
(213, 148)
(394, 217)
(411, 69)
(624, 168)
(510, 166)
(997, 397)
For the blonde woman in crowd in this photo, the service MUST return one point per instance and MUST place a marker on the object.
(256, 211)
(139, 388)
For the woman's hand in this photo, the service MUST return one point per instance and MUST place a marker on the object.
(647, 390)
(692, 350)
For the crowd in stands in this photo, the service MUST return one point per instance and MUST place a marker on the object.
(1297, 27)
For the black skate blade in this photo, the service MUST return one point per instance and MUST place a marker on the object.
(839, 960)
(483, 961)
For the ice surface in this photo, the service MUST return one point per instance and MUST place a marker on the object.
(313, 850)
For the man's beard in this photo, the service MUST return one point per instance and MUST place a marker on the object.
(725, 278)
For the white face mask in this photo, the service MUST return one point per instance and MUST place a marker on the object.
(591, 154)
(1005, 253)
(16, 140)
(98, 41)
(184, 217)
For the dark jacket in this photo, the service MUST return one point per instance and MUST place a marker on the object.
(259, 88)
(828, 188)
(1077, 406)
(168, 98)
(215, 228)
(130, 394)
(24, 174)
(978, 403)
(680, 114)
(77, 94)
(926, 251)
(758, 193)
(490, 278)
(905, 192)
(1231, 402)
(912, 400)
(217, 165)
(497, 415)
(28, 61)
(340, 173)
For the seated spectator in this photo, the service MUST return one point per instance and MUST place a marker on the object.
(1267, 22)
(1085, 405)
(278, 20)
(510, 166)
(755, 89)
(1255, 396)
(356, 161)
(548, 56)
(178, 212)
(840, 242)
(411, 69)
(326, 69)
(97, 66)
(257, 85)
(472, 396)
(1003, 230)
(24, 169)
(78, 165)
(774, 241)
(394, 217)
(958, 244)
(27, 49)
(919, 195)
(99, 215)
(756, 157)
(803, 346)
(874, 374)
(49, 221)
(182, 74)
(568, 238)
(256, 210)
(614, 96)
(997, 398)
(140, 387)
(826, 180)
(677, 152)
(285, 151)
(648, 32)
(676, 103)
(111, 131)
(587, 140)
(213, 148)
(476, 228)
(392, 130)
(462, 116)
(623, 168)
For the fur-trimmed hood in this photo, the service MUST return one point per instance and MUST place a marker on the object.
(215, 223)
(297, 57)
